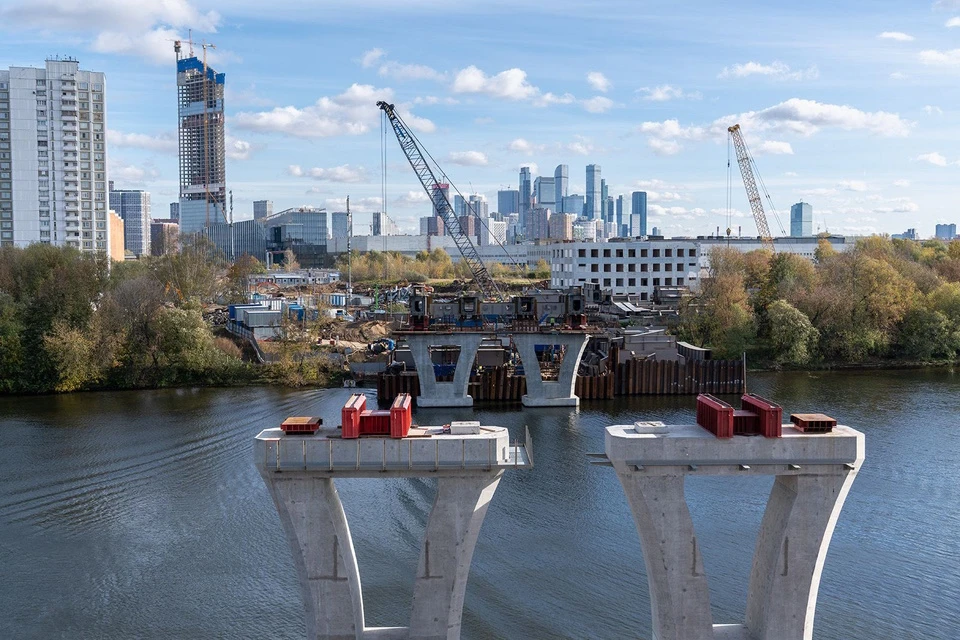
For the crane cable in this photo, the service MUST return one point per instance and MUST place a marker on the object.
(729, 188)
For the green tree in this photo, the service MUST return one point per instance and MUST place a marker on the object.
(792, 337)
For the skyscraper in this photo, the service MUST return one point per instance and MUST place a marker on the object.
(604, 194)
(545, 192)
(459, 206)
(476, 206)
(203, 182)
(594, 203)
(621, 216)
(801, 220)
(174, 213)
(53, 157)
(262, 209)
(638, 214)
(441, 192)
(946, 231)
(133, 207)
(573, 204)
(561, 182)
(526, 192)
(508, 201)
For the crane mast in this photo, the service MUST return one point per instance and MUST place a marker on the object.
(750, 184)
(484, 281)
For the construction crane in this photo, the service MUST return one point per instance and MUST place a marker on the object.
(408, 142)
(747, 166)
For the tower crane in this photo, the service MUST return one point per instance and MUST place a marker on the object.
(408, 142)
(747, 165)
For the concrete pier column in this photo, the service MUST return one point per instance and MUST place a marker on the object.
(559, 393)
(322, 549)
(448, 544)
(679, 595)
(444, 394)
(791, 548)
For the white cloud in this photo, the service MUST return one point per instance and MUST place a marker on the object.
(598, 104)
(238, 149)
(371, 57)
(510, 84)
(411, 198)
(773, 147)
(125, 174)
(468, 158)
(852, 185)
(898, 75)
(666, 92)
(598, 81)
(933, 57)
(353, 112)
(521, 145)
(953, 22)
(776, 70)
(933, 158)
(343, 173)
(899, 205)
(899, 36)
(901, 183)
(534, 169)
(357, 205)
(164, 142)
(663, 196)
(946, 4)
(790, 174)
(679, 213)
(931, 110)
(581, 146)
(399, 71)
(818, 192)
(664, 147)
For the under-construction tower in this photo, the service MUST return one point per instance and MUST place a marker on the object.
(203, 191)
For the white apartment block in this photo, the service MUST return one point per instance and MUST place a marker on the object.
(633, 267)
(53, 157)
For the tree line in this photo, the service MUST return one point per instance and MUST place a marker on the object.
(882, 299)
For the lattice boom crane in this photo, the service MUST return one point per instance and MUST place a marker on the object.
(484, 281)
(750, 184)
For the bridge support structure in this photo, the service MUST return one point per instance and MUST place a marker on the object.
(444, 394)
(543, 393)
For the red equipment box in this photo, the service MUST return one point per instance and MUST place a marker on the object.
(769, 413)
(301, 425)
(745, 423)
(375, 423)
(715, 415)
(350, 415)
(401, 416)
(813, 422)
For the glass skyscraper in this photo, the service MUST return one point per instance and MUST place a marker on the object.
(801, 220)
(526, 191)
(638, 214)
(594, 201)
(561, 182)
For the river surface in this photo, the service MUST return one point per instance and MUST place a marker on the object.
(141, 515)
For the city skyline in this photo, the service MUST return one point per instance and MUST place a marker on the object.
(853, 117)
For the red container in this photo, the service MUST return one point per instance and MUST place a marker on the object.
(375, 423)
(350, 415)
(401, 416)
(301, 424)
(715, 415)
(745, 423)
(769, 413)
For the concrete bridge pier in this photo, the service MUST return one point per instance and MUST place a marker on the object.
(444, 394)
(558, 393)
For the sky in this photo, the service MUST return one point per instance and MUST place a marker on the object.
(846, 104)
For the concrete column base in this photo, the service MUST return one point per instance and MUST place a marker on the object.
(528, 401)
(444, 394)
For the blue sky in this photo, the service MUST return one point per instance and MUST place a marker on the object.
(848, 105)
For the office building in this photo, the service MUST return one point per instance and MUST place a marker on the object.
(526, 194)
(53, 157)
(476, 206)
(545, 192)
(604, 195)
(508, 201)
(339, 224)
(304, 230)
(909, 234)
(594, 203)
(246, 237)
(262, 209)
(622, 214)
(609, 210)
(561, 182)
(459, 206)
(801, 220)
(574, 204)
(383, 225)
(638, 214)
(946, 231)
(164, 235)
(133, 207)
(203, 182)
(175, 212)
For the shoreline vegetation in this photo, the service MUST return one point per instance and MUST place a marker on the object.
(72, 322)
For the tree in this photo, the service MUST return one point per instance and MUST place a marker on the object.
(792, 337)
(193, 273)
(290, 260)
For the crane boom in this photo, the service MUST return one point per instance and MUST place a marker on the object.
(484, 281)
(750, 184)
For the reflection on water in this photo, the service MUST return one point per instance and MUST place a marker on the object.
(140, 514)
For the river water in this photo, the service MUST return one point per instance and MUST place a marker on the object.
(141, 515)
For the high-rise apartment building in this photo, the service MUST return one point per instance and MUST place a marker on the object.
(538, 224)
(53, 157)
(203, 182)
(508, 201)
(594, 203)
(638, 214)
(545, 192)
(801, 220)
(526, 194)
(133, 207)
(383, 225)
(175, 212)
(946, 231)
(561, 182)
(262, 209)
(163, 237)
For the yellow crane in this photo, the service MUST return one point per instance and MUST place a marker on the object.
(747, 166)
